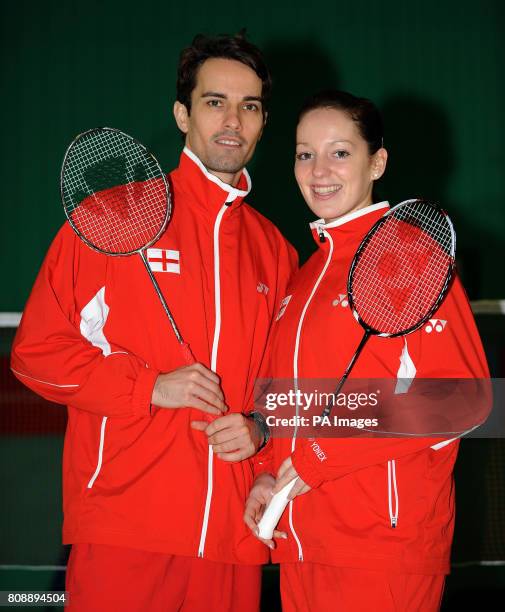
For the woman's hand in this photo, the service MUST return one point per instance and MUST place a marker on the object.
(285, 475)
(260, 495)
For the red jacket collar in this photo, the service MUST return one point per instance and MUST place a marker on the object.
(205, 189)
(349, 228)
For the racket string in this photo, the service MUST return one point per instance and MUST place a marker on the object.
(431, 221)
(393, 283)
(406, 303)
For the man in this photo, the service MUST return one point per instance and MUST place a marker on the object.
(154, 488)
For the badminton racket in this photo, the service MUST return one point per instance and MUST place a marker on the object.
(400, 273)
(117, 200)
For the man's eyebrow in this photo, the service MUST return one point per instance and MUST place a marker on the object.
(215, 94)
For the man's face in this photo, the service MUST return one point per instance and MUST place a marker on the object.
(226, 118)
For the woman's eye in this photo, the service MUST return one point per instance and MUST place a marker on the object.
(341, 154)
(303, 156)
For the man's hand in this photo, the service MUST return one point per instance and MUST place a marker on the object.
(286, 474)
(193, 386)
(233, 437)
(260, 495)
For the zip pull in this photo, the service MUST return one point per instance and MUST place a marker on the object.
(322, 237)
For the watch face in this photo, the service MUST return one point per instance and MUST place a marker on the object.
(260, 420)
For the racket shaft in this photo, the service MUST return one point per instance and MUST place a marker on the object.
(329, 407)
(274, 511)
(162, 299)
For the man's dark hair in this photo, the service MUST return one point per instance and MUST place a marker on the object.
(235, 47)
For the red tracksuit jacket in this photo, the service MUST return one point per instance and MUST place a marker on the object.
(383, 503)
(95, 337)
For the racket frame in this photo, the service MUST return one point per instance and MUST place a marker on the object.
(168, 212)
(362, 246)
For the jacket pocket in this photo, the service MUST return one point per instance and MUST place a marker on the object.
(393, 500)
(99, 454)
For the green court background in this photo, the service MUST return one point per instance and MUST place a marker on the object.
(435, 68)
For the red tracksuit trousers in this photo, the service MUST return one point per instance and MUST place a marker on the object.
(113, 579)
(312, 587)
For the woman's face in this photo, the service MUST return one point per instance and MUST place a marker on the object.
(333, 167)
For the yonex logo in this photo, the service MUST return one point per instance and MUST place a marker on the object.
(262, 288)
(341, 300)
(318, 451)
(435, 324)
(164, 260)
(284, 305)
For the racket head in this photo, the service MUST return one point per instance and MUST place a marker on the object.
(114, 193)
(402, 269)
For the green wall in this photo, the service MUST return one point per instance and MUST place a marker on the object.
(435, 69)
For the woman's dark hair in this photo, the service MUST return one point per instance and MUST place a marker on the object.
(362, 111)
(235, 47)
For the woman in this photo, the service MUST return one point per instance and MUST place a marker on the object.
(371, 521)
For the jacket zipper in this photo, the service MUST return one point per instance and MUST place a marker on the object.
(392, 487)
(322, 237)
(213, 365)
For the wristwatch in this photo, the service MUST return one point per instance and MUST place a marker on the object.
(260, 420)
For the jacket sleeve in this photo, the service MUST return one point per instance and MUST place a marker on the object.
(60, 350)
(451, 350)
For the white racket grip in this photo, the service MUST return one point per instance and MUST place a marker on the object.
(274, 511)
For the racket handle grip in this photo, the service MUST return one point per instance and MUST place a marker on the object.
(274, 511)
(187, 354)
